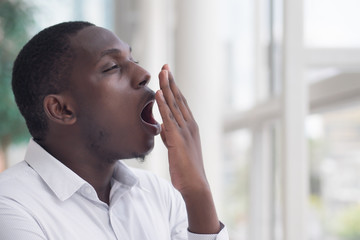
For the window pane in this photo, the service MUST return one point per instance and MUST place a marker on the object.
(238, 34)
(252, 38)
(237, 146)
(332, 23)
(334, 154)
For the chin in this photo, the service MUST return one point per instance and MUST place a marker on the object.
(147, 150)
(141, 154)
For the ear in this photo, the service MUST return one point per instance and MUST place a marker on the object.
(59, 109)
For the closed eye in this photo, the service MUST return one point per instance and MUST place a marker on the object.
(111, 68)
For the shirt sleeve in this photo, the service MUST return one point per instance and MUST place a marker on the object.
(16, 223)
(222, 235)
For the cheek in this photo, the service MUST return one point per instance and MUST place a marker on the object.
(116, 112)
(114, 115)
(112, 106)
(104, 99)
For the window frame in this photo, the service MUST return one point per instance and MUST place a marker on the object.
(290, 108)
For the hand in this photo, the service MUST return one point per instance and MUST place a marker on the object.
(180, 135)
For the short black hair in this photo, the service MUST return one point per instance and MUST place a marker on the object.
(43, 67)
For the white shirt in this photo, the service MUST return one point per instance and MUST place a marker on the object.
(40, 198)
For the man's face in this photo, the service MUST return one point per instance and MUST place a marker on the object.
(113, 104)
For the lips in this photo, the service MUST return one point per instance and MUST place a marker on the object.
(147, 118)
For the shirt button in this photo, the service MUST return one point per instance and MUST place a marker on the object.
(87, 190)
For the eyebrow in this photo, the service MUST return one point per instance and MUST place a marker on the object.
(112, 51)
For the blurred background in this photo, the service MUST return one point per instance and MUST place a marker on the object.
(274, 86)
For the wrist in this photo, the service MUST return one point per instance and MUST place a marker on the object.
(196, 190)
(201, 212)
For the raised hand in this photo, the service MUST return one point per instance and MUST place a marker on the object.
(180, 135)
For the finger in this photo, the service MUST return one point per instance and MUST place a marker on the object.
(169, 122)
(163, 135)
(190, 115)
(180, 99)
(169, 97)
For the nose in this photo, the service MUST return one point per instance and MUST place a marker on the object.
(141, 77)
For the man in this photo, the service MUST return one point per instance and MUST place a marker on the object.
(87, 104)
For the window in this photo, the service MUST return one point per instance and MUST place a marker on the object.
(334, 157)
(332, 72)
(304, 67)
(237, 147)
(253, 37)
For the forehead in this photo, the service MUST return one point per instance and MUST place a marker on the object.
(92, 42)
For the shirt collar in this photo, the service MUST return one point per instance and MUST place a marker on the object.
(62, 180)
(124, 175)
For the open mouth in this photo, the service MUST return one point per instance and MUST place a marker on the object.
(148, 118)
(147, 114)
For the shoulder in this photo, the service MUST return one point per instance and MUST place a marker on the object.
(17, 220)
(13, 178)
(19, 182)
